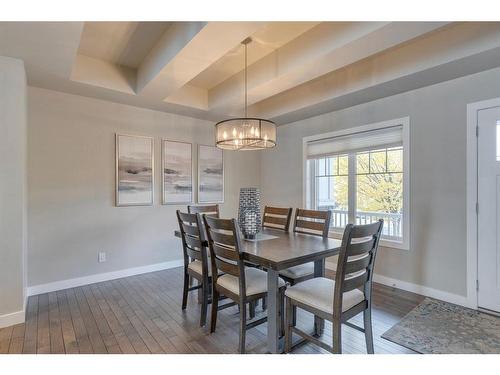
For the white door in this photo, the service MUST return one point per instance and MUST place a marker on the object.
(489, 209)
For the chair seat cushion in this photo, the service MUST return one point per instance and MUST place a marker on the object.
(318, 293)
(195, 266)
(298, 271)
(256, 282)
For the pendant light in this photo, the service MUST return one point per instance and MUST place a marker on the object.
(245, 133)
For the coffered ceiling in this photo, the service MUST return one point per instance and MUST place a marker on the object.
(296, 69)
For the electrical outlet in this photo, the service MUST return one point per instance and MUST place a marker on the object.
(101, 257)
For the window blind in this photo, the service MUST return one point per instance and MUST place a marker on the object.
(356, 142)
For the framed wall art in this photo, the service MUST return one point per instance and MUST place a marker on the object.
(134, 170)
(210, 174)
(177, 172)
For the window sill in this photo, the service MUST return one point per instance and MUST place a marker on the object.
(393, 244)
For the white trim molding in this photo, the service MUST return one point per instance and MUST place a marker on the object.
(471, 213)
(423, 290)
(100, 277)
(11, 319)
(405, 123)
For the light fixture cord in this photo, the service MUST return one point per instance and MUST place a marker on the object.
(246, 92)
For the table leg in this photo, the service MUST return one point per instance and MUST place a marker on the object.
(200, 293)
(273, 341)
(319, 271)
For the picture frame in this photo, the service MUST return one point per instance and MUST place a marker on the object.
(177, 172)
(134, 170)
(210, 174)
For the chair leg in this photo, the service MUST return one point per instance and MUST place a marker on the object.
(288, 325)
(251, 309)
(264, 304)
(367, 318)
(243, 328)
(215, 308)
(185, 290)
(337, 336)
(294, 315)
(204, 303)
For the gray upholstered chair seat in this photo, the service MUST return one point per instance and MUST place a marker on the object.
(318, 293)
(256, 282)
(298, 271)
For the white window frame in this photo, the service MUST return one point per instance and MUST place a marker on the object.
(404, 244)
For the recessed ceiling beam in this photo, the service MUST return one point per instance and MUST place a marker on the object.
(468, 44)
(325, 48)
(184, 51)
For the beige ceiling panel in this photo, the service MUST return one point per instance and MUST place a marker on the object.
(121, 43)
(264, 41)
(101, 73)
(190, 96)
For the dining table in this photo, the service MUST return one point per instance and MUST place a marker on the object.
(276, 250)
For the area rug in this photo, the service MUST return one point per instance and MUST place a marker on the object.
(437, 327)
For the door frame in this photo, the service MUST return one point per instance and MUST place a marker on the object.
(472, 196)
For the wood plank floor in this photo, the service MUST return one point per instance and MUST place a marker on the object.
(142, 314)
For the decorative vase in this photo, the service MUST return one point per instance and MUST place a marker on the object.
(249, 212)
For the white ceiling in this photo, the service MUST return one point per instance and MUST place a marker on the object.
(296, 69)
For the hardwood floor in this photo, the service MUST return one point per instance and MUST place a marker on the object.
(142, 314)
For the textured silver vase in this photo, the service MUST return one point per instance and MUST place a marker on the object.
(249, 212)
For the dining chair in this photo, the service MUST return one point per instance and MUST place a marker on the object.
(195, 260)
(343, 298)
(212, 210)
(240, 283)
(307, 222)
(277, 218)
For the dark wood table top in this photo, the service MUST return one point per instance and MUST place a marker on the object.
(288, 249)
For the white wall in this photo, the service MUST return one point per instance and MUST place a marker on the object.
(12, 190)
(437, 256)
(72, 180)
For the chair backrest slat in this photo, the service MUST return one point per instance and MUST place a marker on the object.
(222, 238)
(192, 236)
(312, 222)
(357, 265)
(225, 252)
(361, 247)
(356, 261)
(277, 218)
(193, 254)
(192, 230)
(210, 210)
(367, 230)
(225, 244)
(226, 267)
(355, 282)
(193, 243)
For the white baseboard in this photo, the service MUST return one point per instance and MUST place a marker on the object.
(85, 280)
(423, 290)
(12, 319)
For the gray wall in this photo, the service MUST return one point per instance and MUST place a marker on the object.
(12, 185)
(437, 256)
(71, 186)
